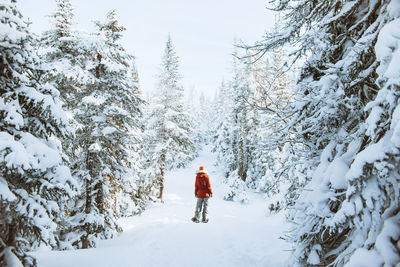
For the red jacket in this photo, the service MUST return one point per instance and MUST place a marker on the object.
(202, 188)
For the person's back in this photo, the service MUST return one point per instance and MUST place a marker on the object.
(202, 186)
(203, 192)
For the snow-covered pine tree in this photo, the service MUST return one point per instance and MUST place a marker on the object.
(192, 108)
(131, 195)
(212, 119)
(273, 92)
(235, 128)
(65, 56)
(34, 182)
(346, 114)
(169, 129)
(261, 169)
(121, 77)
(66, 53)
(220, 123)
(151, 171)
(221, 134)
(107, 139)
(200, 112)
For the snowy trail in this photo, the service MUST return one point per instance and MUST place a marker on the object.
(237, 235)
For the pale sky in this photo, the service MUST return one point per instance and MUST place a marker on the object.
(202, 32)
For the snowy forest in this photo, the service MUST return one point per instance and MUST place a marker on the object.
(308, 121)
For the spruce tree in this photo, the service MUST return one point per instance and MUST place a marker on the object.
(200, 115)
(67, 55)
(34, 182)
(220, 123)
(345, 116)
(273, 94)
(240, 112)
(169, 129)
(233, 135)
(107, 139)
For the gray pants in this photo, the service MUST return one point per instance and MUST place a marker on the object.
(202, 204)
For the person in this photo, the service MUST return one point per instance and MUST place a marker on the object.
(203, 191)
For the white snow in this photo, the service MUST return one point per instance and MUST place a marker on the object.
(5, 192)
(237, 234)
(95, 147)
(361, 256)
(28, 152)
(395, 139)
(313, 258)
(13, 113)
(373, 119)
(394, 9)
(337, 171)
(93, 100)
(45, 156)
(384, 243)
(16, 156)
(387, 50)
(371, 154)
(108, 130)
(10, 259)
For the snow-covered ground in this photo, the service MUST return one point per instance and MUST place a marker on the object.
(164, 235)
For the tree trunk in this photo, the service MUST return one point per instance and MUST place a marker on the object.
(12, 232)
(161, 181)
(88, 204)
(99, 200)
(241, 169)
(84, 239)
(86, 227)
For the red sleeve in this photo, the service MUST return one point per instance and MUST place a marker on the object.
(209, 185)
(196, 186)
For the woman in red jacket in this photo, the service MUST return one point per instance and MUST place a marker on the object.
(203, 192)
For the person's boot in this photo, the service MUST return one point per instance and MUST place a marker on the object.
(204, 220)
(194, 219)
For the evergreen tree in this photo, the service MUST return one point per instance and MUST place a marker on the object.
(233, 142)
(212, 118)
(131, 196)
(34, 182)
(346, 119)
(201, 116)
(169, 129)
(192, 107)
(273, 93)
(219, 124)
(109, 133)
(67, 56)
(241, 92)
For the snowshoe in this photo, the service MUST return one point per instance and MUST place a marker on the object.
(194, 219)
